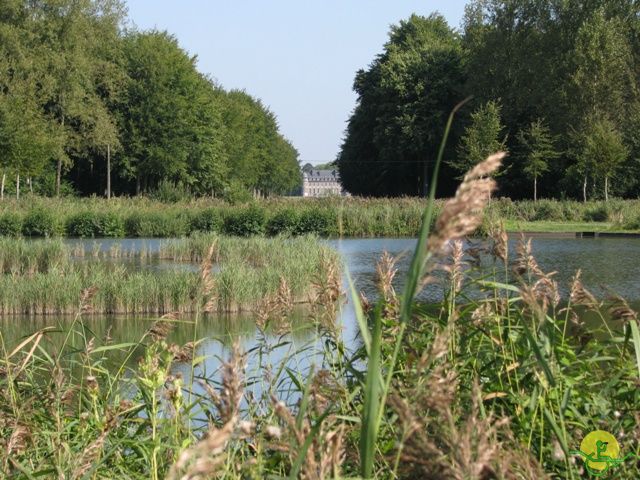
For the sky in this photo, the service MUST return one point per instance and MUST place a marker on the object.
(298, 56)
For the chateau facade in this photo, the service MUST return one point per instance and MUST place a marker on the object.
(321, 183)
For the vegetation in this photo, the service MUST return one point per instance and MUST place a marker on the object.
(90, 106)
(503, 386)
(569, 67)
(327, 217)
(42, 278)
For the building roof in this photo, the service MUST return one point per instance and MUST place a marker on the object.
(322, 175)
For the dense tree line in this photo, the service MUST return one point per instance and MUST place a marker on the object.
(554, 82)
(88, 105)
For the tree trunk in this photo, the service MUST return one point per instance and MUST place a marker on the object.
(108, 171)
(606, 188)
(59, 169)
(4, 176)
(30, 183)
(18, 187)
(584, 189)
(535, 189)
(138, 184)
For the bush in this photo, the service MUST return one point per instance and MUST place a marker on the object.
(237, 193)
(285, 222)
(83, 224)
(10, 225)
(110, 225)
(207, 220)
(599, 213)
(169, 192)
(148, 225)
(549, 210)
(39, 223)
(245, 222)
(317, 221)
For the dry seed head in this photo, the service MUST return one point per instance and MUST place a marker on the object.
(500, 248)
(462, 215)
(580, 295)
(160, 330)
(620, 310)
(89, 456)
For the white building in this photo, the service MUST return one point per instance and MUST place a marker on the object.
(321, 183)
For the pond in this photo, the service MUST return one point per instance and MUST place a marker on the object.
(606, 263)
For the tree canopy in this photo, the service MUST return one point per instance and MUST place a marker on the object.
(77, 86)
(574, 64)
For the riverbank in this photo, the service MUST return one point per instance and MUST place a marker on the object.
(326, 217)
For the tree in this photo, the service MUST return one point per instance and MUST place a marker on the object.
(602, 149)
(404, 99)
(483, 137)
(536, 150)
(172, 128)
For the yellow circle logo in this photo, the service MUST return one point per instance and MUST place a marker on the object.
(601, 449)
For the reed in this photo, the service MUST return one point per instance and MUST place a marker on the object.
(42, 278)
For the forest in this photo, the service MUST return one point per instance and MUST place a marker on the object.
(555, 83)
(91, 105)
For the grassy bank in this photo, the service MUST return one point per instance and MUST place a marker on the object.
(43, 277)
(349, 217)
(505, 386)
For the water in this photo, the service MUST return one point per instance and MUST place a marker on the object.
(608, 264)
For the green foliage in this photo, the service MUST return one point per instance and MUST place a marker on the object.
(39, 223)
(92, 224)
(10, 225)
(404, 99)
(284, 222)
(481, 138)
(168, 192)
(156, 224)
(207, 220)
(318, 221)
(78, 86)
(236, 193)
(245, 222)
(536, 150)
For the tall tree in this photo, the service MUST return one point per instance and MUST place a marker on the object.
(482, 137)
(404, 98)
(536, 150)
(171, 127)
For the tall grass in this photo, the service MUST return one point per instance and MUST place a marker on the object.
(43, 278)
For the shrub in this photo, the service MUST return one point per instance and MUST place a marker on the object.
(246, 222)
(317, 221)
(169, 192)
(83, 224)
(110, 225)
(39, 223)
(598, 213)
(237, 193)
(10, 225)
(167, 224)
(207, 220)
(548, 210)
(284, 222)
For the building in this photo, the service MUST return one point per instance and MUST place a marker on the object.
(321, 183)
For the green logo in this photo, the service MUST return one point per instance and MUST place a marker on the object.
(600, 451)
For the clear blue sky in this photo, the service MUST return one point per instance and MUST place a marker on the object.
(298, 56)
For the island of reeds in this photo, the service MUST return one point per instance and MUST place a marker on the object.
(47, 277)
